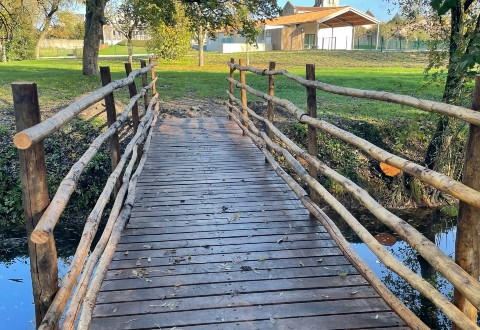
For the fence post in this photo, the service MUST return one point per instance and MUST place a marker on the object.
(33, 175)
(312, 131)
(243, 80)
(467, 243)
(152, 76)
(146, 98)
(111, 119)
(132, 89)
(270, 105)
(232, 76)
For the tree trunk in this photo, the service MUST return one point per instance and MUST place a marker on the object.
(201, 40)
(46, 26)
(130, 49)
(453, 86)
(94, 20)
(3, 49)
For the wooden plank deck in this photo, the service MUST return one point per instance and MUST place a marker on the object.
(218, 241)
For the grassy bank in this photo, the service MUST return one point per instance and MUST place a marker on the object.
(399, 129)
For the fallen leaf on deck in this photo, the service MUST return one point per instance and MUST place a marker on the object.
(301, 264)
(235, 216)
(343, 274)
(280, 240)
(149, 259)
(262, 259)
(272, 320)
(136, 319)
(126, 253)
(376, 317)
(146, 246)
(246, 268)
(320, 260)
(353, 293)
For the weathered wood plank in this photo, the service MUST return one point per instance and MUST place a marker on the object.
(217, 240)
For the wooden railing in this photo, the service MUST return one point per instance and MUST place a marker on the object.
(42, 215)
(463, 275)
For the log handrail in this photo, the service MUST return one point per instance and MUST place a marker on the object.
(460, 279)
(454, 111)
(42, 233)
(382, 254)
(49, 219)
(435, 179)
(26, 138)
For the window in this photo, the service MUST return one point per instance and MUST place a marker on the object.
(309, 42)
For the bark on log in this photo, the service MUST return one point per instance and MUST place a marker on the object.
(391, 262)
(428, 250)
(81, 288)
(435, 179)
(70, 279)
(467, 249)
(132, 89)
(111, 119)
(33, 175)
(102, 268)
(27, 137)
(45, 226)
(450, 110)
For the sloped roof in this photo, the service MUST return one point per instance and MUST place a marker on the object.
(327, 17)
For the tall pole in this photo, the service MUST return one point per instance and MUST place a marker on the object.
(467, 242)
(33, 175)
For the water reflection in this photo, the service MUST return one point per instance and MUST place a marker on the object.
(435, 227)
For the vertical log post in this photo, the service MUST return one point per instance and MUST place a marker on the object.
(232, 76)
(467, 243)
(312, 131)
(111, 119)
(152, 76)
(270, 105)
(33, 175)
(146, 98)
(132, 89)
(243, 98)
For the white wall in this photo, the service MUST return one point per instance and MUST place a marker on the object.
(240, 48)
(340, 39)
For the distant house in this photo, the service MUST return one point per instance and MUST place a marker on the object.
(112, 36)
(326, 25)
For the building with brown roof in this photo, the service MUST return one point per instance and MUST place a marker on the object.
(323, 26)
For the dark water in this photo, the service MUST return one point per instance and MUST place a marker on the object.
(16, 303)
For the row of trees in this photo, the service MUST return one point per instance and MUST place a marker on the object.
(24, 24)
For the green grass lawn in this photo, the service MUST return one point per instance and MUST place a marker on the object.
(122, 50)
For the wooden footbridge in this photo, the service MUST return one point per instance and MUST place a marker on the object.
(207, 231)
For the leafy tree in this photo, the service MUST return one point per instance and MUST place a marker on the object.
(125, 18)
(208, 16)
(45, 14)
(68, 25)
(455, 23)
(171, 41)
(17, 33)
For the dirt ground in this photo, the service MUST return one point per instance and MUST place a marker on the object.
(189, 107)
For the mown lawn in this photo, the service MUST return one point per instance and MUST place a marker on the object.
(60, 80)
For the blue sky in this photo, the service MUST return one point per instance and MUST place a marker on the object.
(380, 8)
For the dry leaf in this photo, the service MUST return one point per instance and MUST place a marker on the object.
(301, 264)
(272, 320)
(353, 293)
(376, 317)
(262, 259)
(343, 274)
